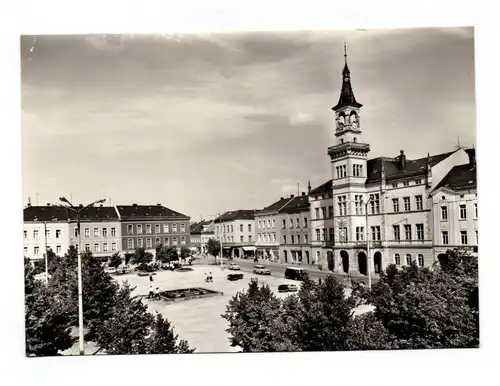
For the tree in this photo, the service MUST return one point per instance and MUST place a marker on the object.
(47, 323)
(141, 257)
(184, 252)
(115, 261)
(163, 340)
(166, 254)
(213, 248)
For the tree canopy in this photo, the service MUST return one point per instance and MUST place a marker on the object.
(213, 247)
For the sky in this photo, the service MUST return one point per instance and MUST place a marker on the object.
(212, 122)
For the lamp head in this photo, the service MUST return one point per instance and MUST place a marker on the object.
(64, 199)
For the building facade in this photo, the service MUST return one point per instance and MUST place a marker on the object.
(101, 231)
(295, 224)
(146, 226)
(52, 220)
(268, 230)
(236, 230)
(201, 232)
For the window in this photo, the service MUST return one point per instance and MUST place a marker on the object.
(113, 246)
(463, 237)
(291, 223)
(394, 186)
(157, 241)
(25, 251)
(420, 260)
(165, 240)
(96, 232)
(419, 202)
(357, 170)
(259, 237)
(444, 213)
(297, 222)
(444, 237)
(139, 229)
(232, 229)
(330, 211)
(284, 239)
(183, 227)
(316, 213)
(331, 234)
(174, 228)
(165, 228)
(58, 249)
(58, 233)
(104, 232)
(76, 232)
(306, 239)
(420, 231)
(259, 225)
(475, 210)
(35, 234)
(305, 222)
(360, 231)
(36, 251)
(87, 232)
(397, 235)
(407, 232)
(157, 228)
(477, 238)
(104, 247)
(358, 202)
(317, 235)
(268, 224)
(76, 247)
(342, 203)
(148, 229)
(298, 239)
(96, 247)
(25, 234)
(418, 181)
(87, 247)
(149, 243)
(408, 259)
(47, 233)
(463, 212)
(406, 201)
(183, 240)
(174, 240)
(284, 221)
(397, 259)
(274, 225)
(140, 243)
(241, 238)
(250, 238)
(375, 203)
(130, 229)
(341, 171)
(406, 183)
(395, 204)
(292, 238)
(376, 233)
(323, 212)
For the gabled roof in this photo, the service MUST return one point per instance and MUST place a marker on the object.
(326, 187)
(134, 212)
(197, 227)
(276, 206)
(296, 204)
(394, 171)
(61, 213)
(459, 178)
(241, 214)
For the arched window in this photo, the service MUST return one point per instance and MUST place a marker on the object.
(408, 259)
(317, 256)
(397, 259)
(420, 260)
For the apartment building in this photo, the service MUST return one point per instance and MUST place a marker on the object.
(201, 232)
(236, 229)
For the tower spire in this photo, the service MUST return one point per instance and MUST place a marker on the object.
(346, 95)
(345, 53)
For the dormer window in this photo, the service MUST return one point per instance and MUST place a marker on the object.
(341, 140)
(354, 139)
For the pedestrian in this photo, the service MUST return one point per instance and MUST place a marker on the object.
(151, 294)
(150, 277)
(210, 277)
(206, 277)
(157, 293)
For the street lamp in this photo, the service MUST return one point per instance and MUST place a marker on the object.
(46, 249)
(368, 245)
(80, 289)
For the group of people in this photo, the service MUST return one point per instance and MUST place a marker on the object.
(209, 278)
(154, 294)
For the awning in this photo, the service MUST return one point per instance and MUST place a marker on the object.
(226, 247)
(248, 248)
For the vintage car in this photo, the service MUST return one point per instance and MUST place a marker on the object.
(261, 270)
(234, 276)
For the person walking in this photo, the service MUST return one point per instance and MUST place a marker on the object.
(150, 277)
(151, 294)
(157, 293)
(210, 277)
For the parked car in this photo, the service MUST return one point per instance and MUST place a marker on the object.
(295, 273)
(287, 288)
(110, 269)
(234, 276)
(234, 267)
(261, 270)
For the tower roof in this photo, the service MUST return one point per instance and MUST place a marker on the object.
(346, 94)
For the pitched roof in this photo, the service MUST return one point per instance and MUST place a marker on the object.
(394, 171)
(46, 213)
(197, 227)
(461, 177)
(275, 206)
(241, 214)
(326, 187)
(296, 204)
(346, 94)
(134, 212)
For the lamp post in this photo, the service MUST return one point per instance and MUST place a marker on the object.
(80, 286)
(45, 254)
(368, 245)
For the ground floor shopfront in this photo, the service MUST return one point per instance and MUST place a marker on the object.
(296, 254)
(239, 251)
(268, 252)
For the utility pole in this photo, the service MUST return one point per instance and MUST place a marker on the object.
(368, 245)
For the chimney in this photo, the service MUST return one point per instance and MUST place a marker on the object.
(48, 203)
(80, 206)
(134, 204)
(402, 159)
(292, 196)
(303, 193)
(282, 198)
(29, 203)
(101, 205)
(158, 204)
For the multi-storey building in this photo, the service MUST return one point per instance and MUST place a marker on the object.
(385, 200)
(100, 231)
(268, 230)
(52, 220)
(201, 232)
(146, 226)
(455, 212)
(295, 229)
(236, 229)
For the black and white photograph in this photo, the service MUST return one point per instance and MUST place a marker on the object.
(263, 191)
